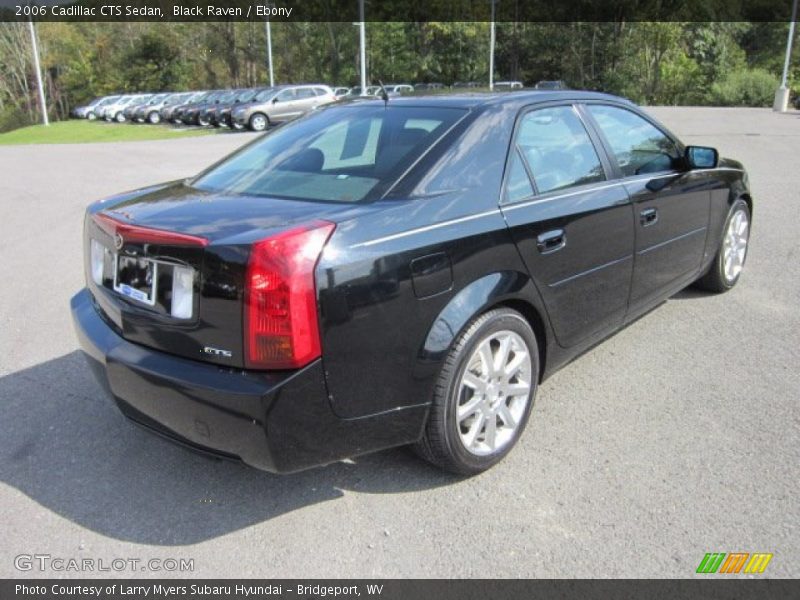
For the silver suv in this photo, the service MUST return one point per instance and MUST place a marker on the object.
(279, 104)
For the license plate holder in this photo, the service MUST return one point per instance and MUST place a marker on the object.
(136, 278)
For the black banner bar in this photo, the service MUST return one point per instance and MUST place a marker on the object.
(393, 589)
(397, 10)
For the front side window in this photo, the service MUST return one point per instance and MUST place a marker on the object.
(558, 150)
(285, 95)
(346, 154)
(637, 144)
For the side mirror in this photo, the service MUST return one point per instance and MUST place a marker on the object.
(275, 100)
(701, 157)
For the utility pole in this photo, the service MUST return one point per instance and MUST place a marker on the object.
(491, 47)
(782, 94)
(269, 52)
(362, 35)
(42, 103)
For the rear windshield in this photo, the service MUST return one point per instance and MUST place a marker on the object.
(344, 154)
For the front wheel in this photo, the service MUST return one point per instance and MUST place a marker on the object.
(119, 117)
(484, 394)
(728, 263)
(259, 122)
(91, 116)
(154, 117)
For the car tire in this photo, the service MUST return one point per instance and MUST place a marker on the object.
(119, 117)
(91, 116)
(202, 122)
(237, 126)
(470, 394)
(154, 117)
(259, 122)
(728, 263)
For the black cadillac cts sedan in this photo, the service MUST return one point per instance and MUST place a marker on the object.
(378, 274)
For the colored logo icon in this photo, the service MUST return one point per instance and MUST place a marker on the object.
(735, 562)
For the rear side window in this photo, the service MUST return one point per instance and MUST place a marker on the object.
(305, 93)
(518, 184)
(638, 145)
(558, 150)
(344, 154)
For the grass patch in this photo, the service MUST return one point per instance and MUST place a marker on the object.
(87, 132)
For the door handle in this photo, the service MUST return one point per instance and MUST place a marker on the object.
(648, 216)
(551, 241)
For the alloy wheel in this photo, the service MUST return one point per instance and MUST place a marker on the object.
(493, 393)
(258, 122)
(734, 246)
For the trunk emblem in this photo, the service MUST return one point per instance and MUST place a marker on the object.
(119, 241)
(217, 352)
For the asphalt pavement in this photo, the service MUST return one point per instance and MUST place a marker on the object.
(676, 437)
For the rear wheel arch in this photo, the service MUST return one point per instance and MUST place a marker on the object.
(509, 289)
(535, 320)
(747, 198)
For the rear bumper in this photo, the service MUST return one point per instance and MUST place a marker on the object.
(278, 422)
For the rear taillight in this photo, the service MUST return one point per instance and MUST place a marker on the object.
(280, 313)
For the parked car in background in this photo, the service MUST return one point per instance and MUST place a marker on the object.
(399, 88)
(465, 84)
(115, 111)
(551, 85)
(207, 113)
(280, 104)
(87, 111)
(150, 111)
(349, 283)
(507, 85)
(424, 87)
(133, 107)
(341, 92)
(371, 90)
(189, 115)
(169, 113)
(222, 116)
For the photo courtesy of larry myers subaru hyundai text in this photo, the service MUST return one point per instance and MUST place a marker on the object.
(402, 271)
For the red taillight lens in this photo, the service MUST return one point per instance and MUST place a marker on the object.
(145, 235)
(280, 313)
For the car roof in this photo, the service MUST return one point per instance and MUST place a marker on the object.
(479, 99)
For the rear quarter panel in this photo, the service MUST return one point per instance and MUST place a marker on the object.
(383, 339)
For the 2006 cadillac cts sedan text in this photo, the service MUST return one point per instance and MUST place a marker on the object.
(378, 274)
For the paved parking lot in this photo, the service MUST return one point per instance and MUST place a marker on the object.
(678, 436)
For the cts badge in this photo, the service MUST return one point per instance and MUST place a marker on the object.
(217, 352)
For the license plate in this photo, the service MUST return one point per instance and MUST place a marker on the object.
(136, 278)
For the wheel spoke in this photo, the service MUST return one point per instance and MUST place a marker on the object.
(491, 431)
(516, 389)
(487, 360)
(516, 363)
(470, 406)
(505, 413)
(501, 357)
(475, 382)
(475, 429)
